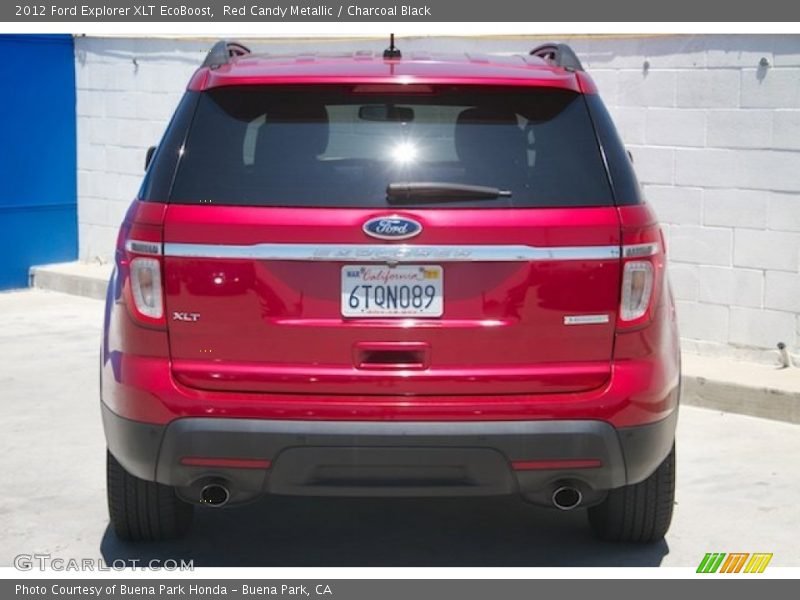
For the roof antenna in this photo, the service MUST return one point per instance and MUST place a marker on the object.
(392, 51)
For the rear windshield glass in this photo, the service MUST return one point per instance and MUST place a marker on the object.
(326, 146)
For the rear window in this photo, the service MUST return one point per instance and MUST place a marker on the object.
(326, 146)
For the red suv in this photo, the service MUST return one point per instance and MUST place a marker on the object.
(369, 275)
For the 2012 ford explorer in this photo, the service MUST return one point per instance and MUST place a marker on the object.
(387, 275)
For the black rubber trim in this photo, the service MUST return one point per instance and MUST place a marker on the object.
(134, 444)
(646, 446)
(391, 471)
(387, 458)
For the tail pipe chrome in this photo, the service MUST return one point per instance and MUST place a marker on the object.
(566, 497)
(215, 493)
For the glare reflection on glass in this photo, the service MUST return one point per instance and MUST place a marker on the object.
(404, 152)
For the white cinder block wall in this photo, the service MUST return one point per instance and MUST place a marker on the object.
(713, 122)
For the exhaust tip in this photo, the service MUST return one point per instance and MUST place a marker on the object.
(214, 494)
(567, 497)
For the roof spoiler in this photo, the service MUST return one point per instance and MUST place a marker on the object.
(559, 55)
(221, 53)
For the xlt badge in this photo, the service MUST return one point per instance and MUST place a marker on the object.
(190, 317)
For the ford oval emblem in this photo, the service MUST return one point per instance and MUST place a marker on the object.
(392, 227)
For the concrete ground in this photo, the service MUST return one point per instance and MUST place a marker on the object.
(738, 481)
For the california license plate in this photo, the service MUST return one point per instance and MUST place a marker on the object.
(400, 291)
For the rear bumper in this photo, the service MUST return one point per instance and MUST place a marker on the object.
(363, 458)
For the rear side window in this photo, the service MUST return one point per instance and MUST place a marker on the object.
(341, 146)
(626, 186)
(158, 179)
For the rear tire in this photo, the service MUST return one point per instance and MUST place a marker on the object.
(143, 510)
(641, 512)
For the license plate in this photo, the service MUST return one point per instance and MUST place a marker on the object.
(401, 291)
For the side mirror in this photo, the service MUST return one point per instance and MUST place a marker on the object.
(149, 157)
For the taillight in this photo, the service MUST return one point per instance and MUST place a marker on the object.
(146, 287)
(637, 288)
(642, 272)
(139, 266)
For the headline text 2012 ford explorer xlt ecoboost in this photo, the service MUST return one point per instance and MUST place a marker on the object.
(387, 276)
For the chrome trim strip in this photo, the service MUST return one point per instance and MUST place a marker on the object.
(140, 247)
(640, 250)
(400, 253)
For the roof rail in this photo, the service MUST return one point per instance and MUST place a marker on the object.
(221, 53)
(559, 55)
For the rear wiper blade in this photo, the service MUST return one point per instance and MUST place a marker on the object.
(413, 191)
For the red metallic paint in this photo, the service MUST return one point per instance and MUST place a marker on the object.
(276, 326)
(144, 389)
(514, 71)
(637, 386)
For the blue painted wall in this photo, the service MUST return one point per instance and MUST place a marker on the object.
(38, 170)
